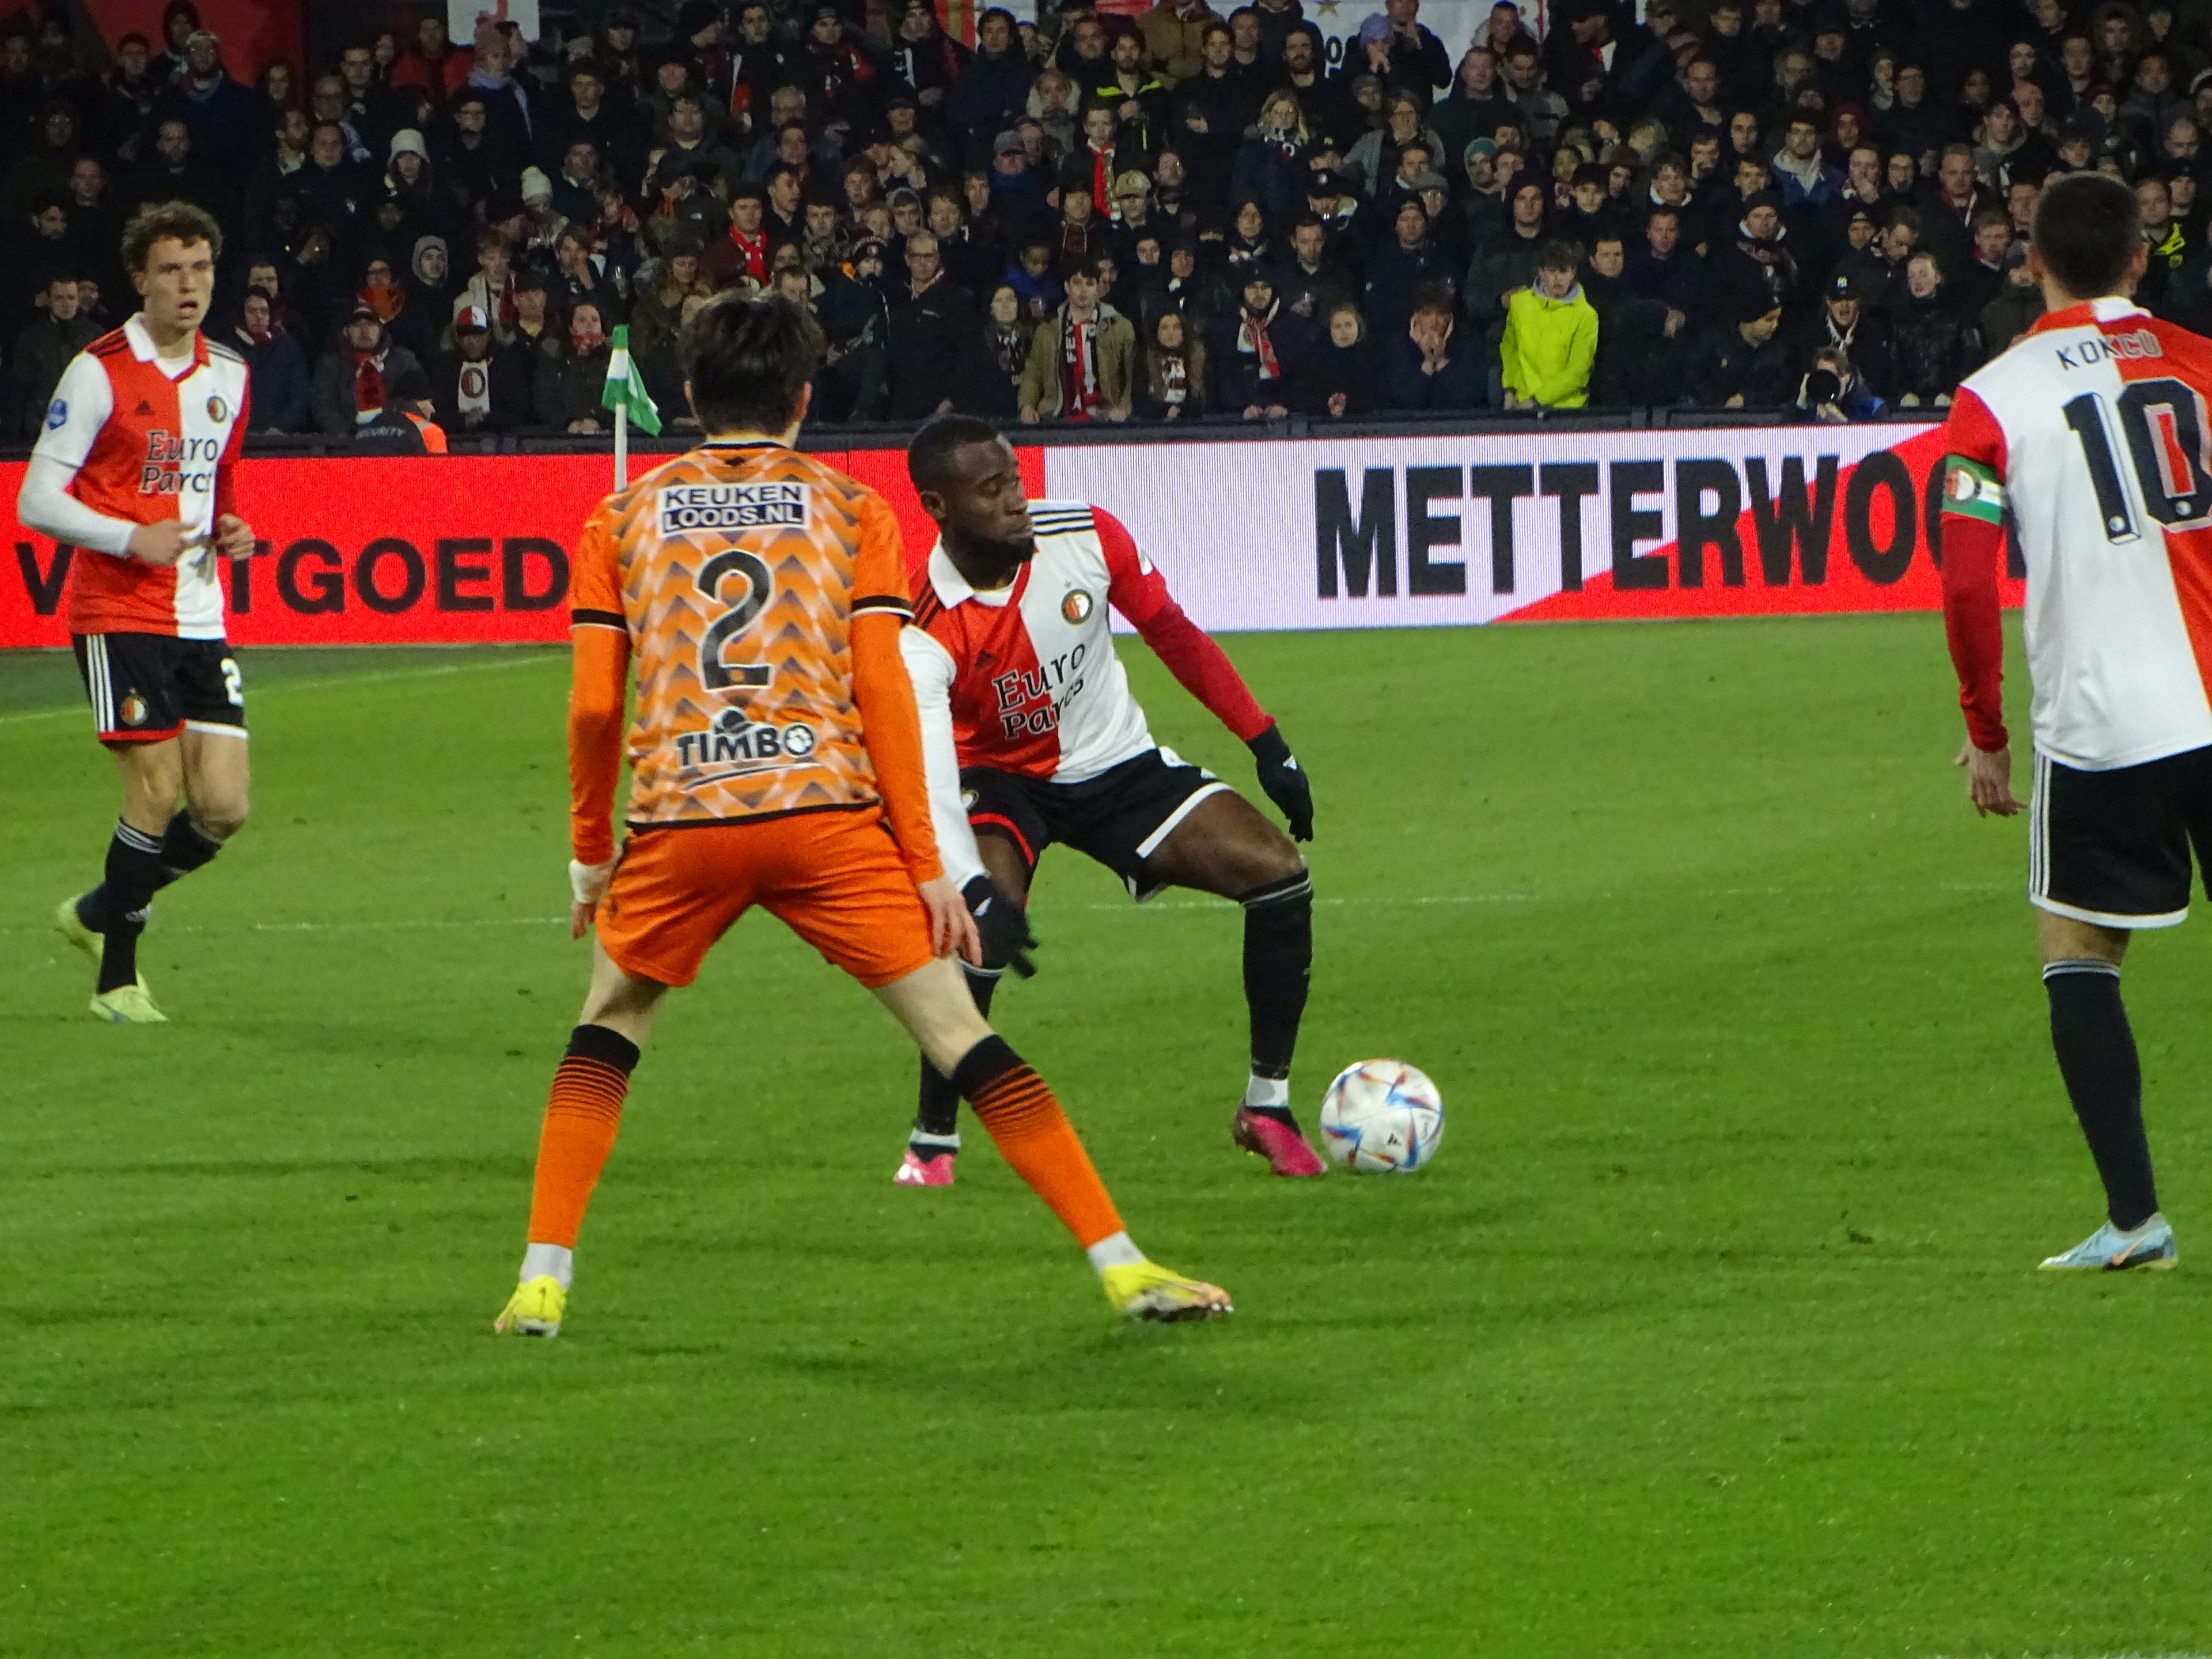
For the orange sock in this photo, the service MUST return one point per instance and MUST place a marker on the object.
(582, 1116)
(1034, 1135)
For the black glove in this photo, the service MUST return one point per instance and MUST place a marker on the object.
(1284, 780)
(1004, 925)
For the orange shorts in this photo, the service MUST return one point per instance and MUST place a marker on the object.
(834, 878)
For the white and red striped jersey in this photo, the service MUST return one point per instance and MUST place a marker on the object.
(2092, 434)
(1025, 680)
(147, 441)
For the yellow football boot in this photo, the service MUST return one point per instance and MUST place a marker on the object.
(534, 1309)
(1144, 1290)
(128, 1004)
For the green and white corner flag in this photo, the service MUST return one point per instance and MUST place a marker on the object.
(625, 388)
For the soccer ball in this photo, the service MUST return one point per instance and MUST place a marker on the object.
(1382, 1116)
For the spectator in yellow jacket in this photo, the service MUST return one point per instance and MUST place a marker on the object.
(1551, 335)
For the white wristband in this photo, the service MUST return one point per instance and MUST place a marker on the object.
(588, 881)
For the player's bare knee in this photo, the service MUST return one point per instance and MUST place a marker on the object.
(1266, 861)
(1279, 859)
(934, 1004)
(618, 1000)
(219, 819)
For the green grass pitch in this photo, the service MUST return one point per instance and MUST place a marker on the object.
(1713, 1330)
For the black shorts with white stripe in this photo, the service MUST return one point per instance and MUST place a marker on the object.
(148, 687)
(2112, 847)
(1120, 817)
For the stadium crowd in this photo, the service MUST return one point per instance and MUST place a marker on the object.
(1169, 215)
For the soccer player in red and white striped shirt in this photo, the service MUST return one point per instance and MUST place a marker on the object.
(2092, 435)
(133, 471)
(1031, 736)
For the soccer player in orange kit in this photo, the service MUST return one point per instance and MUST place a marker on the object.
(775, 758)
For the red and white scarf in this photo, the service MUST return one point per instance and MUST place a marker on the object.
(1079, 395)
(752, 253)
(1173, 379)
(1252, 341)
(367, 380)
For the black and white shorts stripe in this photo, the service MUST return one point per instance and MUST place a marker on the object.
(100, 683)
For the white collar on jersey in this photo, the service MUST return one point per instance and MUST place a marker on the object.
(2111, 307)
(953, 588)
(141, 348)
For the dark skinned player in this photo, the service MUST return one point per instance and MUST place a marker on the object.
(1031, 738)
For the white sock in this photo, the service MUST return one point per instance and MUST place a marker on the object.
(1115, 1252)
(558, 1259)
(1273, 1091)
(943, 1143)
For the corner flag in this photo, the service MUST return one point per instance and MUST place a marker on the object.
(625, 390)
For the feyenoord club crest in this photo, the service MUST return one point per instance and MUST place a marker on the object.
(218, 410)
(474, 381)
(133, 710)
(1076, 607)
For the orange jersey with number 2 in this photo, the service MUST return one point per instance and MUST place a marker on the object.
(760, 594)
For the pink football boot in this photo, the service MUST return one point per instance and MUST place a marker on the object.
(915, 1171)
(1283, 1146)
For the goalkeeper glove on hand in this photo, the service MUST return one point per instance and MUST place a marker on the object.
(1004, 926)
(1284, 780)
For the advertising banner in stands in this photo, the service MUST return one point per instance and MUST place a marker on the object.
(450, 550)
(1397, 533)
(1273, 533)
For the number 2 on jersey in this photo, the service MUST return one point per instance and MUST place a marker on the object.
(714, 673)
(2166, 427)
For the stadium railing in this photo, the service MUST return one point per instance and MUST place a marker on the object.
(892, 434)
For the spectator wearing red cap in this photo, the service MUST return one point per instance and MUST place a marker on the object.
(475, 388)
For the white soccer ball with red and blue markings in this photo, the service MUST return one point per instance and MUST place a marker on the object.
(1382, 1117)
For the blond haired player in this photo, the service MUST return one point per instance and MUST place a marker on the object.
(775, 760)
(134, 471)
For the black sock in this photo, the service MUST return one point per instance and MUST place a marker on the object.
(2097, 1057)
(1278, 964)
(185, 848)
(116, 909)
(604, 1044)
(939, 1113)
